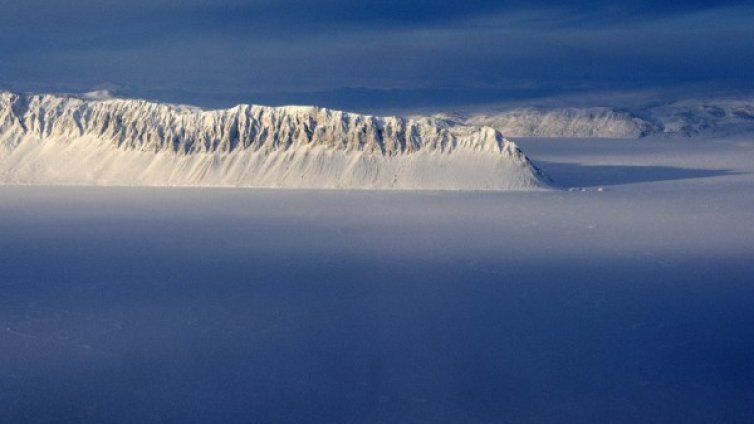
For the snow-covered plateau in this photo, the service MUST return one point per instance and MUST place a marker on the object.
(97, 140)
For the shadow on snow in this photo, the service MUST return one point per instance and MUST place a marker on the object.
(577, 175)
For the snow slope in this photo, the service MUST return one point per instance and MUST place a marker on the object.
(97, 140)
(687, 118)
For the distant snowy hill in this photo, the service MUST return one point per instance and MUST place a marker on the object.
(566, 122)
(685, 119)
(689, 118)
(94, 139)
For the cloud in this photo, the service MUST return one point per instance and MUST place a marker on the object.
(464, 51)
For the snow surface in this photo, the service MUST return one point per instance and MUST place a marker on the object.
(96, 140)
(687, 118)
(633, 304)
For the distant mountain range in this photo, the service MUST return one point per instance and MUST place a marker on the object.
(679, 119)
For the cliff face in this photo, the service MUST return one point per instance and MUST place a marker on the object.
(49, 139)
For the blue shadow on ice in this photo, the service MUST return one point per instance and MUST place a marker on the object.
(125, 305)
(565, 174)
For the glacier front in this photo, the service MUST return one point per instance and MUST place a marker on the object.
(95, 140)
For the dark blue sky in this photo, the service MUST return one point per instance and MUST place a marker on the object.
(378, 54)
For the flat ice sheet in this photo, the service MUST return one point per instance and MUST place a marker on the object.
(628, 299)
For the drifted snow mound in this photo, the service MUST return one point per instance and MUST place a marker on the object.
(97, 140)
(599, 122)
